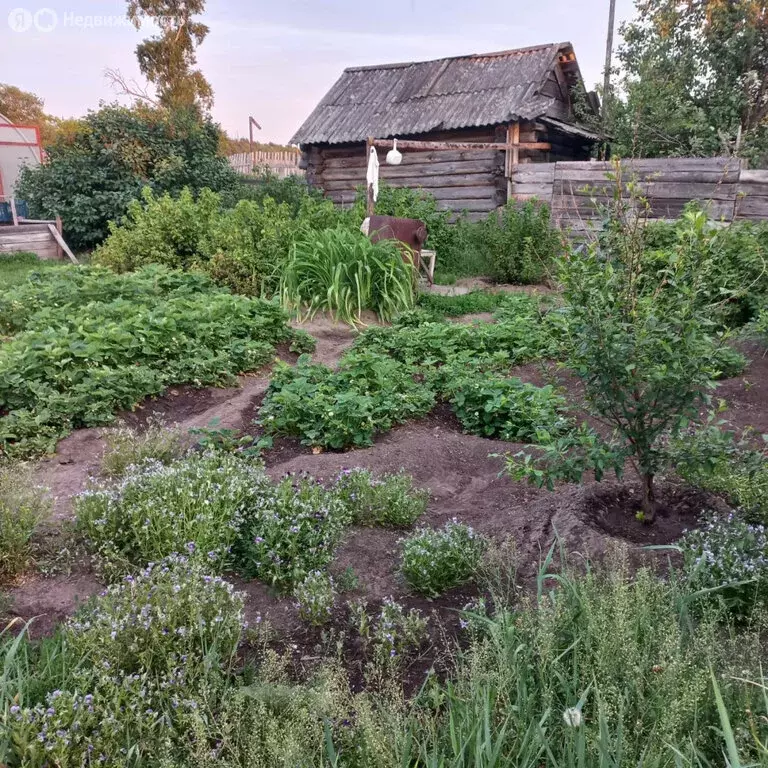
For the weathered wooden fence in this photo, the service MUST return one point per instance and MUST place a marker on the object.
(282, 163)
(575, 190)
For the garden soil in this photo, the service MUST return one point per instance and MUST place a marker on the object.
(463, 473)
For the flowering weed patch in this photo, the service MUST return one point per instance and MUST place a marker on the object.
(315, 598)
(434, 561)
(165, 620)
(388, 500)
(291, 529)
(194, 506)
(148, 647)
(730, 555)
(391, 633)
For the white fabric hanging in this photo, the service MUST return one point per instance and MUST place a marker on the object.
(372, 177)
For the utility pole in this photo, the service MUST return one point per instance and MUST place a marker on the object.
(251, 124)
(608, 55)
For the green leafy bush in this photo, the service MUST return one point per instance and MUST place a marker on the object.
(76, 363)
(315, 598)
(291, 529)
(730, 556)
(23, 505)
(736, 282)
(521, 243)
(93, 173)
(247, 247)
(387, 500)
(344, 273)
(194, 506)
(640, 338)
(505, 408)
(159, 230)
(304, 202)
(435, 561)
(369, 393)
(243, 248)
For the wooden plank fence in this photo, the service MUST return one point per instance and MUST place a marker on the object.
(575, 190)
(282, 163)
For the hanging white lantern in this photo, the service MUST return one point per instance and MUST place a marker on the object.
(393, 156)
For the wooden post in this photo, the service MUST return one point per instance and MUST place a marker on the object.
(14, 215)
(60, 241)
(513, 154)
(370, 203)
(60, 230)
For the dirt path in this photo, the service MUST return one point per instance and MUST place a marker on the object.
(462, 474)
(77, 456)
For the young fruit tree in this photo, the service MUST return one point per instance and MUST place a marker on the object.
(641, 336)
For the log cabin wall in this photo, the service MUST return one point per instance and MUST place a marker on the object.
(461, 180)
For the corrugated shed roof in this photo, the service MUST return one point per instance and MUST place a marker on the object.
(411, 98)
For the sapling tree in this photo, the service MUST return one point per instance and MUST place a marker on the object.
(640, 338)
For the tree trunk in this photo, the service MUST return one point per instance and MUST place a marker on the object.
(649, 498)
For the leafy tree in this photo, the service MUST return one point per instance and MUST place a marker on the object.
(168, 59)
(641, 341)
(93, 172)
(694, 80)
(26, 108)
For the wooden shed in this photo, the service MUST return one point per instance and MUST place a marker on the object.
(521, 100)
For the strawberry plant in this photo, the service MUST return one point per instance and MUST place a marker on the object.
(505, 408)
(81, 354)
(338, 409)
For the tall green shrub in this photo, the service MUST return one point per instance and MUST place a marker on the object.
(91, 175)
(640, 339)
(520, 242)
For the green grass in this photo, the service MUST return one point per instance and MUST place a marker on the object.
(465, 304)
(15, 267)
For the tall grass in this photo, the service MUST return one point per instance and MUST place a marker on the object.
(23, 506)
(344, 273)
(649, 686)
(603, 669)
